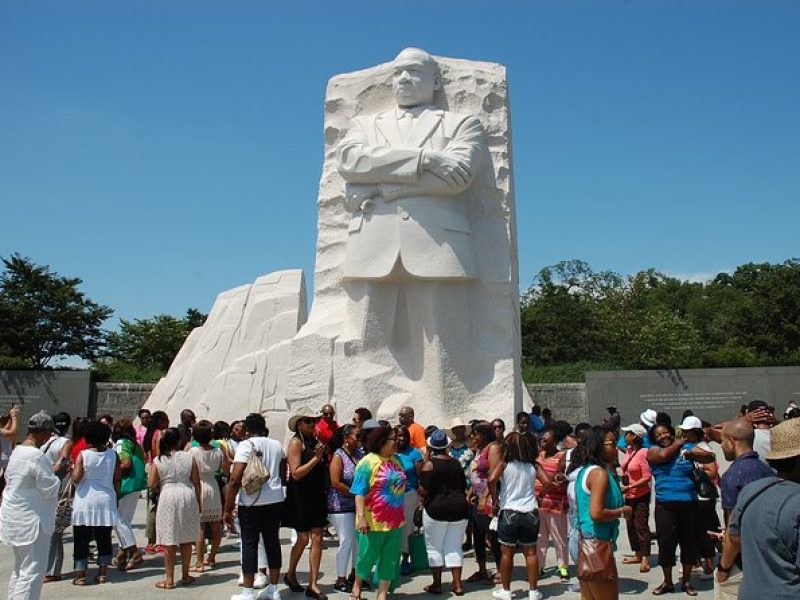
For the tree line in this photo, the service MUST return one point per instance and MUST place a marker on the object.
(573, 319)
(576, 319)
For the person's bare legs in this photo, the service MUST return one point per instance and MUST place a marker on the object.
(315, 558)
(200, 546)
(457, 585)
(507, 563)
(436, 586)
(169, 566)
(383, 590)
(186, 563)
(532, 564)
(296, 554)
(216, 540)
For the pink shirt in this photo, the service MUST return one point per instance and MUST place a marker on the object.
(636, 467)
(140, 431)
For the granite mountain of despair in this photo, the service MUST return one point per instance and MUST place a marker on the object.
(415, 287)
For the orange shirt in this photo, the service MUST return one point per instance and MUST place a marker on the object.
(417, 434)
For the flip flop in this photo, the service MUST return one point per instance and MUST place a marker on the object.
(163, 585)
(476, 577)
(688, 588)
(79, 581)
(101, 579)
(429, 589)
(663, 589)
(133, 562)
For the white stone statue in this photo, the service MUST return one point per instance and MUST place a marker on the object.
(416, 290)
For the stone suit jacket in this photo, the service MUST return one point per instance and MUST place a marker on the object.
(414, 216)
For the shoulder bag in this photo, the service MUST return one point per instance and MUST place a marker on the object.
(255, 473)
(595, 557)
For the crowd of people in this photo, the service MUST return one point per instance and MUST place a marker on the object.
(403, 498)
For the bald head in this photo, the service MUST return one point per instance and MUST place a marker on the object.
(740, 431)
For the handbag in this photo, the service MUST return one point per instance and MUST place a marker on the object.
(595, 557)
(418, 552)
(64, 507)
(417, 518)
(703, 485)
(255, 473)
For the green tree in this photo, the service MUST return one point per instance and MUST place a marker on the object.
(145, 348)
(44, 315)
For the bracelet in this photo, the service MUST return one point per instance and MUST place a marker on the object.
(722, 569)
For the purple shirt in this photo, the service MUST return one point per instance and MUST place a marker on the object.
(745, 469)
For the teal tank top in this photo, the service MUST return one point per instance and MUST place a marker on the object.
(609, 530)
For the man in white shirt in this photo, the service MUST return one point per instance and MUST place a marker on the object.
(28, 511)
(259, 512)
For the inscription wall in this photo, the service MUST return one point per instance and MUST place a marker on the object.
(712, 394)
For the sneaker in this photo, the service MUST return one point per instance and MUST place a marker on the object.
(260, 581)
(269, 593)
(501, 594)
(564, 573)
(343, 587)
(535, 595)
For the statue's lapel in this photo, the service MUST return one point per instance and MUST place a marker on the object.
(386, 124)
(424, 126)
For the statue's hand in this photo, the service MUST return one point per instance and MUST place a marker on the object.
(361, 197)
(453, 171)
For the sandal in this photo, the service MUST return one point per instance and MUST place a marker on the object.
(198, 568)
(133, 562)
(645, 567)
(631, 560)
(164, 585)
(79, 581)
(664, 589)
(101, 579)
(688, 589)
(188, 580)
(210, 562)
(478, 577)
(430, 589)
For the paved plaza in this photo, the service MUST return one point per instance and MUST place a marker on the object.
(220, 582)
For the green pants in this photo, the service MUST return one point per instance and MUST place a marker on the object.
(379, 549)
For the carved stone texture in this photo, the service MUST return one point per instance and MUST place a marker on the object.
(233, 364)
(444, 341)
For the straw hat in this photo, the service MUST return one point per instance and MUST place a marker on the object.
(785, 440)
(457, 422)
(292, 423)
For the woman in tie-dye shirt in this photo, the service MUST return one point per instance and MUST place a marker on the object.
(379, 486)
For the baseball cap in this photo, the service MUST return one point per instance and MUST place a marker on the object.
(691, 423)
(370, 424)
(41, 421)
(636, 429)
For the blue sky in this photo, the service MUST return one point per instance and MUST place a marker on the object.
(166, 151)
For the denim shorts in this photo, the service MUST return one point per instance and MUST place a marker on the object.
(518, 528)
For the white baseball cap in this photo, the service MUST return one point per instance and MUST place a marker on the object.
(636, 429)
(691, 423)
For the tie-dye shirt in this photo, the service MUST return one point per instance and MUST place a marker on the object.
(382, 482)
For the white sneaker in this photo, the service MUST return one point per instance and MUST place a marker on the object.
(260, 581)
(268, 594)
(535, 595)
(501, 594)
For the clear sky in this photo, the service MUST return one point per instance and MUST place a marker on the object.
(166, 151)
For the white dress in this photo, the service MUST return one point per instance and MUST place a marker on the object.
(95, 502)
(177, 515)
(208, 461)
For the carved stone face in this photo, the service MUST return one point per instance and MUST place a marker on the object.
(415, 78)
